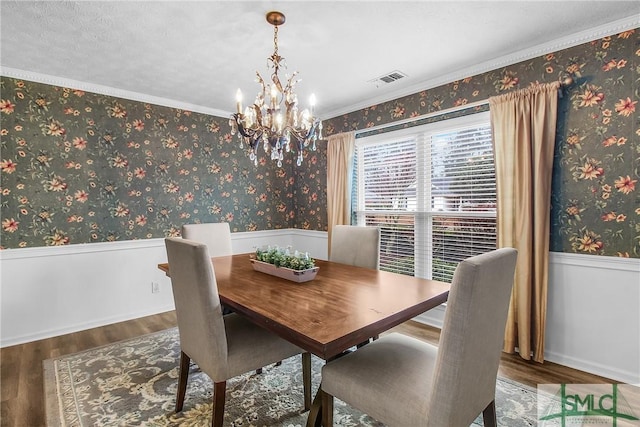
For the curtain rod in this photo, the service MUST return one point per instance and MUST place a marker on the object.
(423, 117)
(565, 81)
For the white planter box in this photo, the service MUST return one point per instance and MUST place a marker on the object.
(298, 276)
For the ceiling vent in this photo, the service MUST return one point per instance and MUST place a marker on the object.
(388, 78)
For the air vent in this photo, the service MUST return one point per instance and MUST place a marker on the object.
(388, 78)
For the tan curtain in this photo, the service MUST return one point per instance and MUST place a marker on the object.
(524, 124)
(340, 149)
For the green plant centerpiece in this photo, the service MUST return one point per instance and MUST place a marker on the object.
(283, 257)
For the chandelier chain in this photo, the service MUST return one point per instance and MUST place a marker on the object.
(275, 40)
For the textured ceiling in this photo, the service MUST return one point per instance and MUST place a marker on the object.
(198, 53)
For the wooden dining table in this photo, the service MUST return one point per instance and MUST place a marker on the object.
(337, 310)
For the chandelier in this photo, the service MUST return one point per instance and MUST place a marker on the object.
(274, 119)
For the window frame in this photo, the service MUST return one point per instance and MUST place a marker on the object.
(423, 214)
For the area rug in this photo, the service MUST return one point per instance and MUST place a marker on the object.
(133, 383)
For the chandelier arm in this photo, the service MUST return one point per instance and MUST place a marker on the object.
(258, 112)
(299, 136)
(288, 115)
(276, 80)
(264, 87)
(295, 133)
(247, 132)
(291, 83)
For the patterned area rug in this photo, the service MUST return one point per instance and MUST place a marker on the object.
(133, 383)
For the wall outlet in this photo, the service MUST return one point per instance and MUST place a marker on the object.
(155, 287)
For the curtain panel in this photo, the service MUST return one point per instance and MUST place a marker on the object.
(340, 150)
(523, 124)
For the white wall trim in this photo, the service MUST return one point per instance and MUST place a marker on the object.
(596, 261)
(83, 248)
(503, 61)
(80, 248)
(81, 326)
(583, 364)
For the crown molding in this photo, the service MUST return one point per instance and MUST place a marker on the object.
(575, 39)
(566, 42)
(109, 91)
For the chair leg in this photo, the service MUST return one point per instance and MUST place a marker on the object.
(182, 380)
(306, 379)
(327, 409)
(219, 390)
(489, 415)
(259, 370)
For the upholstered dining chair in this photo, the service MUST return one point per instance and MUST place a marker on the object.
(402, 381)
(222, 346)
(354, 245)
(216, 235)
(357, 246)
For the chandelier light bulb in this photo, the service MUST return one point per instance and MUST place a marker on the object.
(239, 101)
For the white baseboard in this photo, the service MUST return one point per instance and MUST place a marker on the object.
(586, 365)
(85, 325)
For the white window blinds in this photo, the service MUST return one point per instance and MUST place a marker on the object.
(431, 190)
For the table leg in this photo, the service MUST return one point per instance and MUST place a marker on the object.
(315, 414)
(306, 374)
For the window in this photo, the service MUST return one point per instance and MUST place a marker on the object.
(431, 190)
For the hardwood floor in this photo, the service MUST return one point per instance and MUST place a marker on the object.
(22, 395)
(21, 380)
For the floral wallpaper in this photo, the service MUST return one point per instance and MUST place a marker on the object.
(595, 196)
(79, 167)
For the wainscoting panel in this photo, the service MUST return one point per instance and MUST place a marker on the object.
(50, 291)
(593, 315)
(593, 319)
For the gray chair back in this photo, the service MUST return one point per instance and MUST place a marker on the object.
(216, 235)
(471, 339)
(195, 293)
(354, 245)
